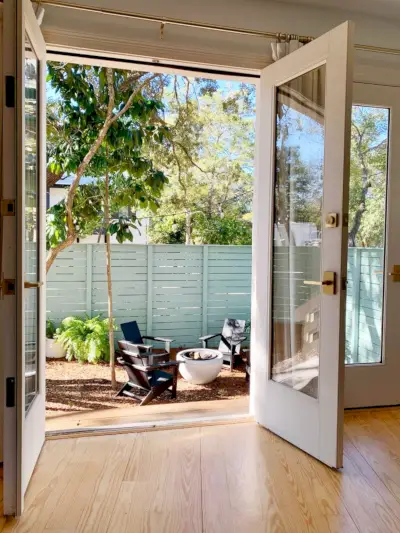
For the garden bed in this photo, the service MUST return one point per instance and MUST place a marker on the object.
(72, 387)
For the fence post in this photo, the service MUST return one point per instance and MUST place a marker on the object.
(205, 291)
(89, 272)
(149, 289)
(355, 318)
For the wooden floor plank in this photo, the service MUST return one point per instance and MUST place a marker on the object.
(218, 479)
(161, 489)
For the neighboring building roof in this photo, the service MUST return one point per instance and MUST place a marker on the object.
(66, 182)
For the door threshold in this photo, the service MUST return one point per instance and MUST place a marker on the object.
(142, 427)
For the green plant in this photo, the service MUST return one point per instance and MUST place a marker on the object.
(50, 329)
(85, 339)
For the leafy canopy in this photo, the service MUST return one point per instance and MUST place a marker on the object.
(75, 118)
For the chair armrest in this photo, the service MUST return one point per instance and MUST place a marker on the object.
(238, 341)
(160, 339)
(208, 337)
(146, 347)
(160, 366)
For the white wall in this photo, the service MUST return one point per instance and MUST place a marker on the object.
(69, 28)
(56, 195)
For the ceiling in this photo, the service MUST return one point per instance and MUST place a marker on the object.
(380, 8)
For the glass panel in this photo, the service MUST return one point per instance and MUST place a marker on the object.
(298, 197)
(367, 217)
(31, 209)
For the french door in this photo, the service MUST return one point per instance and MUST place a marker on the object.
(373, 289)
(300, 245)
(23, 303)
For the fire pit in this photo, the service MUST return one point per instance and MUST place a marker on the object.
(200, 365)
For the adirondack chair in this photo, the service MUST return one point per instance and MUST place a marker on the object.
(231, 339)
(132, 334)
(150, 379)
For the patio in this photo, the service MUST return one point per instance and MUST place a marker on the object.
(81, 396)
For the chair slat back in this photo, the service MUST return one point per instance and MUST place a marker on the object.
(129, 357)
(131, 332)
(232, 330)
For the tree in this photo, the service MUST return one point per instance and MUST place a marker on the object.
(209, 161)
(98, 105)
(98, 127)
(369, 134)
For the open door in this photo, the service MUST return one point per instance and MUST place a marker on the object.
(23, 248)
(300, 245)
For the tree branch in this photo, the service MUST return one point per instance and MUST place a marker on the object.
(109, 121)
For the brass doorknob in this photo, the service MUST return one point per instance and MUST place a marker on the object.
(328, 283)
(33, 285)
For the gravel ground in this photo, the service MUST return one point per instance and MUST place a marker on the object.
(72, 386)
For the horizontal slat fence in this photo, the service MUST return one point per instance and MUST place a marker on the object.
(184, 292)
(364, 305)
(180, 292)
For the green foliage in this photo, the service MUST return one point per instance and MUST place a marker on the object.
(227, 230)
(85, 339)
(167, 230)
(127, 193)
(88, 215)
(74, 121)
(75, 118)
(50, 329)
(208, 156)
(368, 170)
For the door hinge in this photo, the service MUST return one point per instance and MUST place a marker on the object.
(10, 392)
(7, 208)
(10, 91)
(7, 287)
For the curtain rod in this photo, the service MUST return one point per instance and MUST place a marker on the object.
(202, 25)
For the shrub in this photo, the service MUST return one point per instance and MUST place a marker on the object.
(85, 339)
(50, 329)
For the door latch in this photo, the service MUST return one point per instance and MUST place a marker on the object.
(8, 208)
(7, 287)
(395, 274)
(10, 392)
(328, 283)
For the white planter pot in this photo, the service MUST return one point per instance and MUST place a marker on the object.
(54, 350)
(200, 371)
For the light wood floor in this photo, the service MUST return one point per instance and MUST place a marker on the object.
(148, 413)
(237, 478)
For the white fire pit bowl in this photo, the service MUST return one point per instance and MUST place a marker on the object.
(200, 371)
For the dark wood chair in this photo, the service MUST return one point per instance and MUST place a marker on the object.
(150, 379)
(231, 340)
(132, 334)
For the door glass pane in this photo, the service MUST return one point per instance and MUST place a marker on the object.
(367, 214)
(31, 210)
(298, 197)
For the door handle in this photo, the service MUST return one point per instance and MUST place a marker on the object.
(33, 285)
(328, 283)
(395, 274)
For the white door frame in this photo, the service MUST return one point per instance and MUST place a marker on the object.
(377, 384)
(22, 444)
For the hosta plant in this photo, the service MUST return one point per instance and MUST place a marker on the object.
(85, 339)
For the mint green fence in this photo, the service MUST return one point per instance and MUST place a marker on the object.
(364, 305)
(183, 292)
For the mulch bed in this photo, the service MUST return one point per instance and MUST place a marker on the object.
(72, 387)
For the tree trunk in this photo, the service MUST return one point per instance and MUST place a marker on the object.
(363, 199)
(109, 281)
(188, 224)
